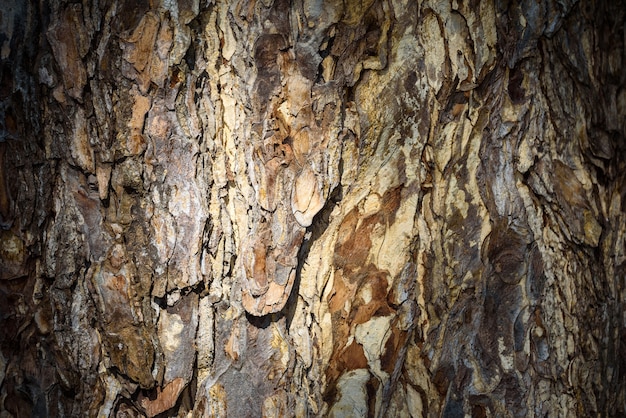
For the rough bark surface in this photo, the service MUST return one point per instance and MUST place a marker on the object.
(312, 208)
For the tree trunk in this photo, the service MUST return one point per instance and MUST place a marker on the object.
(312, 208)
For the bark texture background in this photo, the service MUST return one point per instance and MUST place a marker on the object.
(312, 208)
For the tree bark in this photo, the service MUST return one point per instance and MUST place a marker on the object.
(306, 208)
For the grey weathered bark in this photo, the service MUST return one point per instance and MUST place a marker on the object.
(312, 208)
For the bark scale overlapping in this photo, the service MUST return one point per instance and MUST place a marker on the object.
(322, 208)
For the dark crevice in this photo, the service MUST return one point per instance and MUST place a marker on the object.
(198, 288)
(262, 322)
(316, 230)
